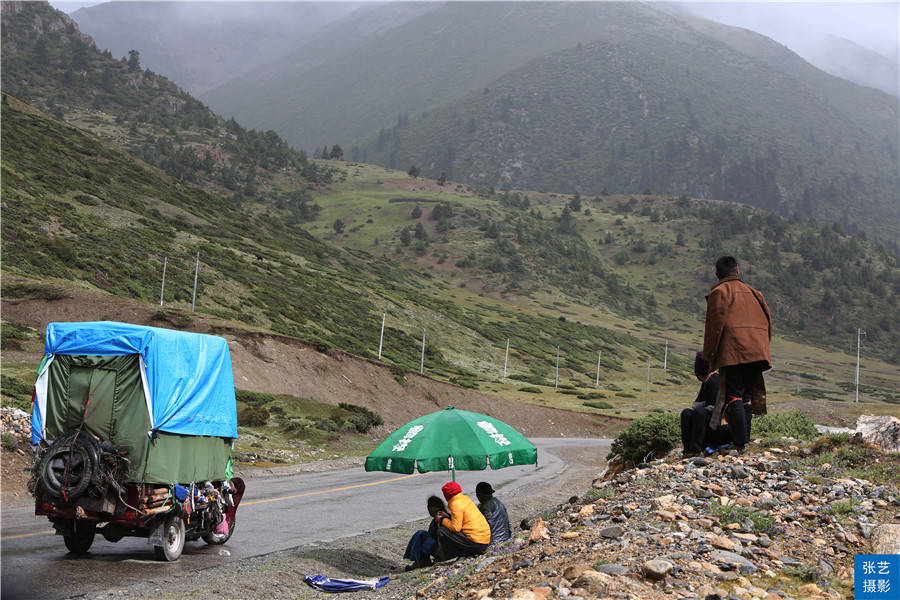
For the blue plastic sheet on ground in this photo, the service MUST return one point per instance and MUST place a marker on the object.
(327, 584)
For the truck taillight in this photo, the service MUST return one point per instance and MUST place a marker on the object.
(130, 514)
(47, 507)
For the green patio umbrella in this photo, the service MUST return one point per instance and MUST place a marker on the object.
(452, 439)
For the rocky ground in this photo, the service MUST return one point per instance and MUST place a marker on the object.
(774, 524)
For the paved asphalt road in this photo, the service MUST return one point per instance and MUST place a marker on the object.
(276, 513)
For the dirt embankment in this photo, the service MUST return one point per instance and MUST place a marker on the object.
(266, 362)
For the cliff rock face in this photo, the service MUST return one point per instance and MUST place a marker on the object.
(36, 20)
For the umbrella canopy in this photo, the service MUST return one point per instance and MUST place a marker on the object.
(452, 439)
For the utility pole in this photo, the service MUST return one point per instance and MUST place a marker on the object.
(196, 272)
(422, 362)
(506, 360)
(381, 337)
(162, 289)
(666, 358)
(597, 383)
(556, 384)
(859, 332)
(647, 392)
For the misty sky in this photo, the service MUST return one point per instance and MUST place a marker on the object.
(875, 25)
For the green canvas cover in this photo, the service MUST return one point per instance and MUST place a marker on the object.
(106, 392)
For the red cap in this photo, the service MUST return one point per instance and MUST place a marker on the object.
(451, 489)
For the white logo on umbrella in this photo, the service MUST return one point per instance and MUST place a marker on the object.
(498, 437)
(401, 445)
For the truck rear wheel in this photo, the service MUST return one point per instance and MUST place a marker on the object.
(173, 539)
(79, 542)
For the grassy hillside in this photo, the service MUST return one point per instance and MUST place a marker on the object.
(658, 113)
(81, 212)
(50, 64)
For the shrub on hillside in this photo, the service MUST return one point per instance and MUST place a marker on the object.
(253, 416)
(597, 404)
(648, 437)
(794, 424)
(253, 398)
(362, 418)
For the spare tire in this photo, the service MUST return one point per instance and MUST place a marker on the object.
(69, 465)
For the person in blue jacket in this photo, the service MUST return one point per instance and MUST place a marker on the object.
(494, 512)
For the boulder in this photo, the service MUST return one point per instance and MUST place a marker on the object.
(886, 539)
(881, 432)
(656, 569)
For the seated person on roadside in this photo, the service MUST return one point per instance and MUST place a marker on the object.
(494, 513)
(465, 531)
(423, 544)
(695, 430)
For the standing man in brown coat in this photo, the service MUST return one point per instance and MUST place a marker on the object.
(736, 342)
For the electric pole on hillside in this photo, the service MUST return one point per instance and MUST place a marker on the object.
(597, 383)
(162, 289)
(422, 362)
(666, 358)
(196, 272)
(381, 337)
(859, 332)
(647, 391)
(556, 384)
(506, 360)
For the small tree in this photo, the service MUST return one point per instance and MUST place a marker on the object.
(338, 226)
(405, 237)
(134, 60)
(416, 212)
(575, 203)
(421, 234)
(442, 179)
(413, 171)
(337, 153)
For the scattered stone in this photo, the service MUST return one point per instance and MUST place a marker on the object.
(538, 531)
(720, 541)
(615, 532)
(613, 569)
(656, 569)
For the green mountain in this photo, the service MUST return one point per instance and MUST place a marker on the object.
(49, 63)
(588, 96)
(675, 111)
(324, 259)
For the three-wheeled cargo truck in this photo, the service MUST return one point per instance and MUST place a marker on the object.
(133, 429)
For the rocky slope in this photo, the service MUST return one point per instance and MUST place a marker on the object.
(748, 527)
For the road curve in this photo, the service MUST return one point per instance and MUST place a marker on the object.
(277, 513)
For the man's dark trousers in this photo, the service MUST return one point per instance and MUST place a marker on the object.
(739, 396)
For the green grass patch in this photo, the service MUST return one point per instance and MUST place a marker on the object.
(531, 390)
(759, 522)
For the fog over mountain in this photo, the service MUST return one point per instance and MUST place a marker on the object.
(201, 44)
(859, 41)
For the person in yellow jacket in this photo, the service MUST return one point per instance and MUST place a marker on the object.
(465, 531)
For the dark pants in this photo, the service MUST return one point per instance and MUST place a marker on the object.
(696, 433)
(739, 397)
(693, 428)
(454, 543)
